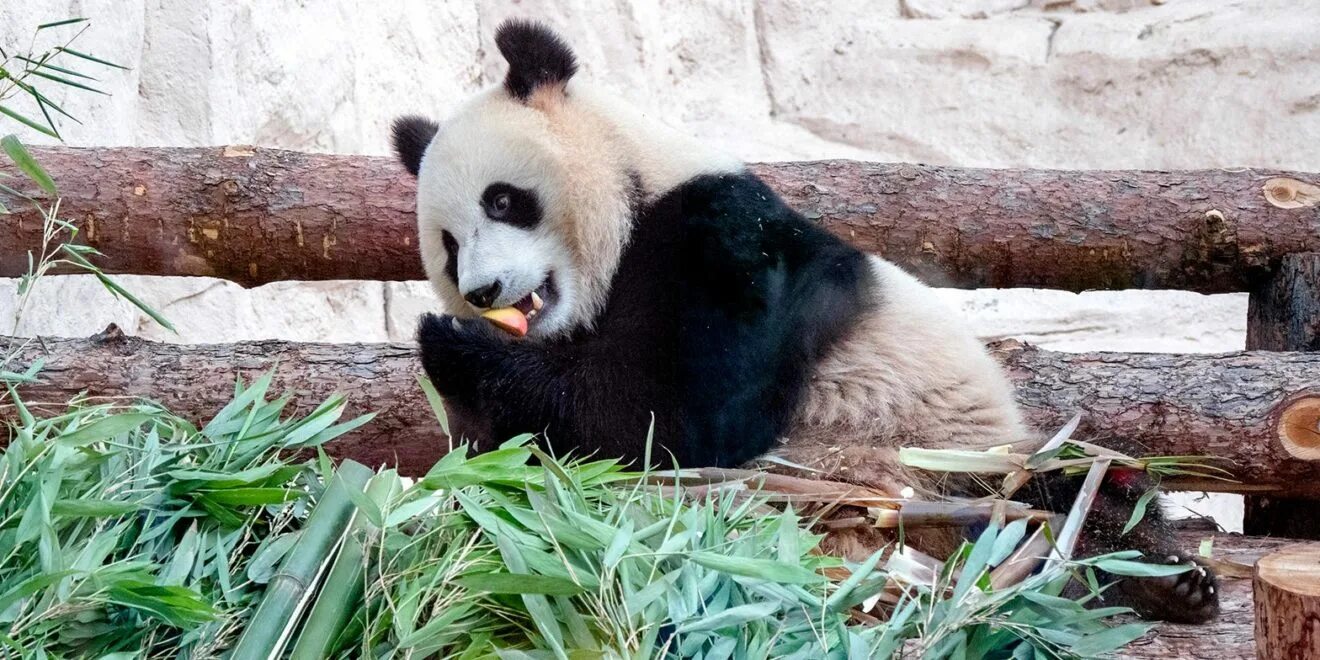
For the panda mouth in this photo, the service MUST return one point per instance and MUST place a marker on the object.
(538, 300)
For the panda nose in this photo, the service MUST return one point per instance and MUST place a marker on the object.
(483, 296)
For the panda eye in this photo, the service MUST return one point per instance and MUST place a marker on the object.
(500, 205)
(511, 205)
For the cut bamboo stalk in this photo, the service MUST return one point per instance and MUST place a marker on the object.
(1081, 508)
(343, 586)
(288, 591)
(1026, 558)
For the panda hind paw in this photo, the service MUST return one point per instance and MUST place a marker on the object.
(1188, 597)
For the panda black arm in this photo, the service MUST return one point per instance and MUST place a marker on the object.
(594, 395)
(766, 293)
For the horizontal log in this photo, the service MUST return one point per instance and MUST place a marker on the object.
(1220, 405)
(256, 215)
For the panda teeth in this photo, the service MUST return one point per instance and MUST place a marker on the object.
(537, 303)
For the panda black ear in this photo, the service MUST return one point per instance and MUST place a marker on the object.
(411, 135)
(536, 57)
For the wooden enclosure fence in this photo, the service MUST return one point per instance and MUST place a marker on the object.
(256, 216)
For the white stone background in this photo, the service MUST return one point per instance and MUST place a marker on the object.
(990, 83)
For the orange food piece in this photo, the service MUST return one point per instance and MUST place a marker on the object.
(508, 319)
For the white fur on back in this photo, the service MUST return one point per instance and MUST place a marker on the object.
(910, 374)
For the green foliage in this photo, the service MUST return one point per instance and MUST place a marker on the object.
(25, 73)
(127, 529)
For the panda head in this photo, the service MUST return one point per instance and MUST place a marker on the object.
(520, 192)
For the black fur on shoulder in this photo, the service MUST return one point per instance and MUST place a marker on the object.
(536, 57)
(411, 135)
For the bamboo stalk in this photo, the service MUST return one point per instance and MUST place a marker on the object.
(343, 585)
(952, 514)
(288, 591)
(1018, 479)
(1081, 508)
(1026, 558)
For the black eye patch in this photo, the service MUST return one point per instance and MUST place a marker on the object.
(511, 205)
(451, 256)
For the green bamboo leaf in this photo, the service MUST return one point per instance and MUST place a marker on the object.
(104, 429)
(13, 114)
(182, 558)
(67, 21)
(1008, 541)
(366, 507)
(1139, 510)
(89, 58)
(1140, 569)
(26, 163)
(45, 64)
(409, 510)
(437, 404)
(732, 617)
(976, 562)
(262, 565)
(543, 615)
(519, 583)
(177, 606)
(250, 496)
(113, 287)
(93, 508)
(1109, 640)
(31, 586)
(763, 569)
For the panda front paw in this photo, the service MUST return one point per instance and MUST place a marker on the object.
(1188, 597)
(455, 351)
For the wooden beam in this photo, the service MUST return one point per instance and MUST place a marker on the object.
(1226, 405)
(254, 216)
(1283, 314)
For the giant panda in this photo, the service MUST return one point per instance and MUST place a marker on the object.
(666, 288)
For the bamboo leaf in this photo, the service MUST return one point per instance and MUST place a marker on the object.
(13, 114)
(520, 583)
(67, 21)
(89, 58)
(731, 617)
(24, 161)
(104, 429)
(762, 569)
(1139, 510)
(93, 508)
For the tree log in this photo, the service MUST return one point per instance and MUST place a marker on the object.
(1284, 315)
(255, 215)
(1219, 405)
(1286, 589)
(1284, 311)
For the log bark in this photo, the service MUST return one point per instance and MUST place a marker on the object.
(1219, 405)
(1284, 311)
(1286, 589)
(1284, 315)
(255, 216)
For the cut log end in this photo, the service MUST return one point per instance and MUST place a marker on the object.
(1286, 587)
(1299, 427)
